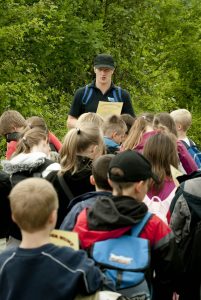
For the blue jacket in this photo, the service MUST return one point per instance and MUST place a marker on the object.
(48, 272)
(77, 205)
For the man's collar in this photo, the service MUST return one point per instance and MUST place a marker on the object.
(93, 84)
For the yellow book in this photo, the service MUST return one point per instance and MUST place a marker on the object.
(65, 238)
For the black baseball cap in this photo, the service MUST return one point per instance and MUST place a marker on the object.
(104, 61)
(134, 166)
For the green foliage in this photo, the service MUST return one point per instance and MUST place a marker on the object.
(47, 49)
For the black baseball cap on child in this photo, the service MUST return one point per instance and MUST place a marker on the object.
(104, 61)
(134, 166)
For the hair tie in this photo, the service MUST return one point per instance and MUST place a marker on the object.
(78, 130)
(24, 139)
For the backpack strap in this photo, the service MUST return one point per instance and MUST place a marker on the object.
(65, 187)
(136, 229)
(117, 94)
(87, 94)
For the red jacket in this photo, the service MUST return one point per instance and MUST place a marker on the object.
(155, 230)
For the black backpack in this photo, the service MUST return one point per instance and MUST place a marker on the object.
(187, 202)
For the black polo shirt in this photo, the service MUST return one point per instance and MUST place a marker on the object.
(79, 106)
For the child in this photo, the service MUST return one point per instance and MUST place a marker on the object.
(35, 121)
(114, 129)
(29, 160)
(98, 178)
(161, 151)
(12, 123)
(140, 131)
(188, 165)
(80, 148)
(130, 174)
(38, 269)
(183, 121)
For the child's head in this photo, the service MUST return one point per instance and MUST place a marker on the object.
(90, 117)
(142, 124)
(165, 120)
(100, 168)
(130, 173)
(86, 141)
(161, 151)
(182, 118)
(32, 202)
(114, 128)
(38, 122)
(11, 121)
(129, 120)
(33, 140)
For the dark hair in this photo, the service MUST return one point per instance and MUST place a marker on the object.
(36, 121)
(129, 120)
(100, 168)
(166, 120)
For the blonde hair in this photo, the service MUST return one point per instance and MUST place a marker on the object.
(32, 200)
(76, 143)
(113, 124)
(90, 117)
(136, 132)
(183, 117)
(30, 138)
(10, 119)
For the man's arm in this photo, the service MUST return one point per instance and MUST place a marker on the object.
(76, 109)
(127, 106)
(71, 122)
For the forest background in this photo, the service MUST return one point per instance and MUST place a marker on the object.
(47, 50)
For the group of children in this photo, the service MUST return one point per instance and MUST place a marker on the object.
(105, 171)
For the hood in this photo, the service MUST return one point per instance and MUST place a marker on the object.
(115, 212)
(24, 162)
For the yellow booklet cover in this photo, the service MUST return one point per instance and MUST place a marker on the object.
(106, 109)
(65, 238)
(175, 173)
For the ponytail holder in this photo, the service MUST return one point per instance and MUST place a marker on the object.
(24, 139)
(78, 130)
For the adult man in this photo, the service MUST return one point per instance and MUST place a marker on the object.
(86, 99)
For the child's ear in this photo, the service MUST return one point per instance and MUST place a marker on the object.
(92, 180)
(53, 217)
(13, 218)
(138, 186)
(110, 183)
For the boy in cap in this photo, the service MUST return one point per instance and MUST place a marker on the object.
(38, 269)
(86, 99)
(130, 175)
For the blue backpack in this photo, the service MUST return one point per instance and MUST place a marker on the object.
(117, 94)
(126, 261)
(194, 152)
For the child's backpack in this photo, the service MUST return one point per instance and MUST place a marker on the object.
(194, 152)
(117, 94)
(186, 224)
(126, 261)
(160, 207)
